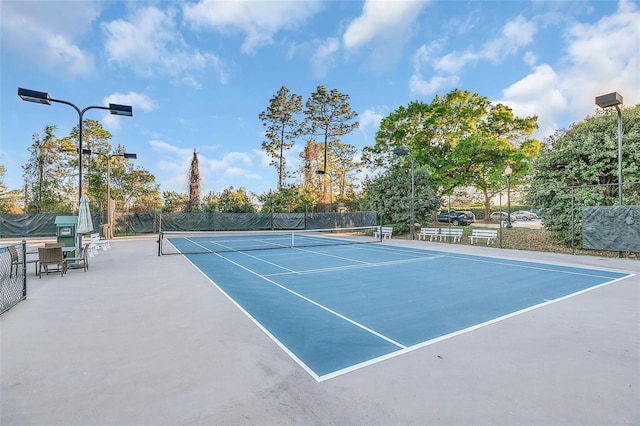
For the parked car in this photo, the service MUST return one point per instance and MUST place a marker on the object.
(524, 215)
(497, 216)
(456, 217)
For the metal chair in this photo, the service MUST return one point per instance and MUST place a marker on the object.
(82, 259)
(52, 256)
(15, 261)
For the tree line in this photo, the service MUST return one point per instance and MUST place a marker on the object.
(458, 140)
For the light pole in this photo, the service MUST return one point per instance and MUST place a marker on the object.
(43, 98)
(323, 172)
(507, 173)
(109, 233)
(615, 100)
(403, 151)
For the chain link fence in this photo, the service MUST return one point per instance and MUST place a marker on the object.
(13, 275)
(555, 213)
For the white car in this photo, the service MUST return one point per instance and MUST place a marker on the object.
(497, 216)
(524, 215)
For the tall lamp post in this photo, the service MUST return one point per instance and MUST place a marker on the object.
(615, 100)
(109, 216)
(403, 151)
(43, 98)
(507, 173)
(323, 172)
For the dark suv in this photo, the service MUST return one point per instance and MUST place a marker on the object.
(456, 217)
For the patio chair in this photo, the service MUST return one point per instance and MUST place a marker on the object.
(15, 261)
(83, 258)
(51, 245)
(51, 256)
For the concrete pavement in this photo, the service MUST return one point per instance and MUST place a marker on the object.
(147, 340)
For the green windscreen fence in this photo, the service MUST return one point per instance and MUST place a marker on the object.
(611, 228)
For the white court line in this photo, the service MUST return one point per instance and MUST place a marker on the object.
(359, 266)
(537, 268)
(485, 259)
(313, 302)
(459, 332)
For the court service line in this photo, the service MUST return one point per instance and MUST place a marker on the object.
(313, 302)
(359, 266)
(521, 264)
(550, 267)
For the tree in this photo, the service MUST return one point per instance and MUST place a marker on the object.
(291, 198)
(94, 138)
(8, 199)
(340, 169)
(580, 167)
(282, 128)
(211, 203)
(174, 202)
(390, 195)
(343, 168)
(462, 139)
(47, 173)
(328, 116)
(135, 188)
(235, 201)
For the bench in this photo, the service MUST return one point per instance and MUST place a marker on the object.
(454, 233)
(386, 232)
(97, 243)
(488, 234)
(428, 232)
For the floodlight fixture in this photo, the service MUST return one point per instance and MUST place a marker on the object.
(609, 100)
(124, 110)
(34, 96)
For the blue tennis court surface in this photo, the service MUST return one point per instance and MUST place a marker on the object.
(338, 308)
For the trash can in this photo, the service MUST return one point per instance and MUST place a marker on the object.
(66, 231)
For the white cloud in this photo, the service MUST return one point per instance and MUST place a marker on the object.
(231, 169)
(258, 20)
(369, 121)
(515, 35)
(381, 19)
(323, 56)
(47, 34)
(264, 158)
(601, 57)
(133, 99)
(384, 27)
(136, 100)
(150, 43)
(537, 94)
(419, 86)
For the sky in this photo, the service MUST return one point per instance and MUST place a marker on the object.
(198, 73)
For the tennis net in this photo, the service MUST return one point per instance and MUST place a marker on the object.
(181, 242)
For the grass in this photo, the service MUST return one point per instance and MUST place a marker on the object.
(533, 240)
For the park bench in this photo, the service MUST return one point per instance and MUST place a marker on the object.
(454, 233)
(487, 234)
(428, 232)
(386, 232)
(98, 243)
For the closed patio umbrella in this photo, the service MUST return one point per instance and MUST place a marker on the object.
(84, 216)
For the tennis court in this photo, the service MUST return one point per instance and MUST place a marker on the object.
(336, 307)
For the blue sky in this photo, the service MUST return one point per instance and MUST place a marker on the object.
(198, 73)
